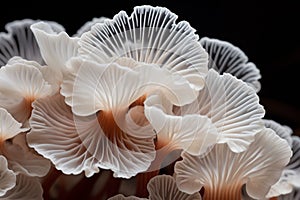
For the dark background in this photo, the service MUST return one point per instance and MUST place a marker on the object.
(267, 32)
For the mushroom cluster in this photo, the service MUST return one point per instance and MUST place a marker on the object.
(136, 107)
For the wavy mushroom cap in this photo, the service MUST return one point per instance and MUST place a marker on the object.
(232, 107)
(21, 83)
(162, 187)
(282, 131)
(290, 177)
(222, 172)
(75, 144)
(149, 35)
(227, 58)
(56, 47)
(20, 41)
(19, 157)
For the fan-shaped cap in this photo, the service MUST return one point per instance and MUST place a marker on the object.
(223, 172)
(20, 41)
(233, 108)
(56, 47)
(20, 159)
(290, 177)
(162, 187)
(53, 134)
(150, 35)
(20, 85)
(282, 131)
(76, 144)
(227, 58)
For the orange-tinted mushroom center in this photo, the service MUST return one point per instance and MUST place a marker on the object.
(109, 124)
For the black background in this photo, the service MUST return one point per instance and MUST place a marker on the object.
(267, 32)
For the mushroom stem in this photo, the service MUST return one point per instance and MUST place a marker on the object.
(226, 192)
